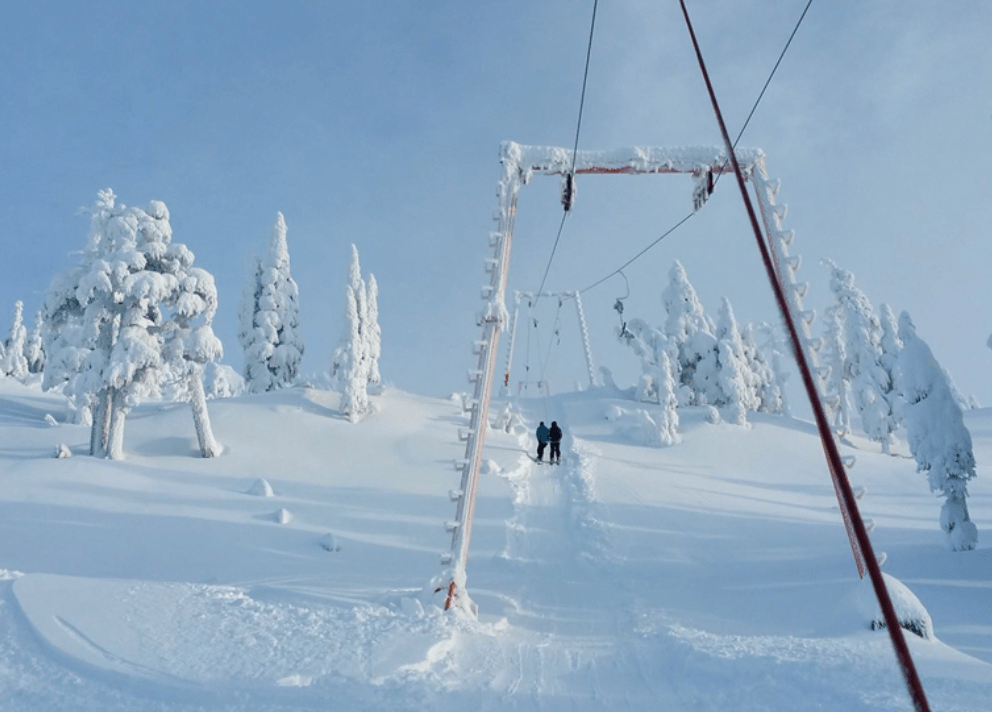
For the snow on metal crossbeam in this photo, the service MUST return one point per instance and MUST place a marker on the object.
(639, 160)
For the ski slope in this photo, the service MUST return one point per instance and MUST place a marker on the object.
(713, 575)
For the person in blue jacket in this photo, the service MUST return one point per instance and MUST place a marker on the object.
(542, 440)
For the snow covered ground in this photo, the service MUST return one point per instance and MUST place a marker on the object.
(713, 575)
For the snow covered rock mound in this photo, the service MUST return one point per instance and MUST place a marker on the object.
(261, 488)
(912, 614)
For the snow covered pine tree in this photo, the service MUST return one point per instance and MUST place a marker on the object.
(270, 319)
(14, 362)
(690, 334)
(34, 350)
(355, 361)
(870, 383)
(938, 438)
(109, 318)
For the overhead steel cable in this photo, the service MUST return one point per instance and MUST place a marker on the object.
(575, 147)
(740, 133)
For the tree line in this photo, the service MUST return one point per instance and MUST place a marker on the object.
(875, 370)
(132, 320)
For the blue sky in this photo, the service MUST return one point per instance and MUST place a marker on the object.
(379, 123)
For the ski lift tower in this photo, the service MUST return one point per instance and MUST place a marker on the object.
(519, 165)
(531, 299)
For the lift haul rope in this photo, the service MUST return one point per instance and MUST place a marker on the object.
(845, 494)
(569, 192)
(740, 133)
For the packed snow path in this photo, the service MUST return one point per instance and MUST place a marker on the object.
(554, 521)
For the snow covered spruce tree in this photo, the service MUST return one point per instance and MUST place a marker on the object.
(374, 335)
(668, 420)
(764, 364)
(355, 361)
(354, 394)
(34, 350)
(733, 386)
(889, 360)
(125, 312)
(14, 362)
(871, 386)
(690, 334)
(938, 438)
(835, 384)
(189, 345)
(270, 319)
(652, 347)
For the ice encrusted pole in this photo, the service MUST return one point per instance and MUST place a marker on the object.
(493, 319)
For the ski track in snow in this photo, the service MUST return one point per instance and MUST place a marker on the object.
(555, 505)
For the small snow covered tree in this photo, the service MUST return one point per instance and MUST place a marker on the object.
(270, 319)
(222, 381)
(938, 438)
(650, 345)
(34, 350)
(81, 320)
(689, 331)
(342, 364)
(368, 347)
(870, 384)
(373, 330)
(668, 422)
(891, 347)
(190, 345)
(354, 396)
(835, 359)
(734, 388)
(14, 362)
(763, 372)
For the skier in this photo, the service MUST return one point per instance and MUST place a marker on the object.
(542, 440)
(555, 437)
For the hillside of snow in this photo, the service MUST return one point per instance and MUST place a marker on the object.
(294, 571)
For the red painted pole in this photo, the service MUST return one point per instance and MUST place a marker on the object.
(847, 499)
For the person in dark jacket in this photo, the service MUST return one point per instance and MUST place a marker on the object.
(542, 440)
(554, 436)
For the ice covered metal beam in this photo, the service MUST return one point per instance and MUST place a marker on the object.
(639, 160)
